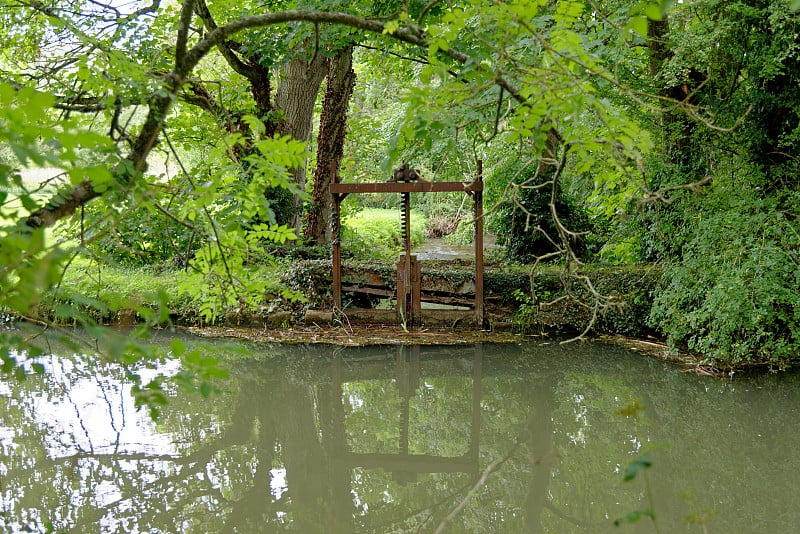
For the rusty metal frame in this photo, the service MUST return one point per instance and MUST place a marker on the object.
(474, 189)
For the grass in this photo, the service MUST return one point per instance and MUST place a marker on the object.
(106, 290)
(376, 233)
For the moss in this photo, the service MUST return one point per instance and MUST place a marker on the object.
(513, 295)
(540, 300)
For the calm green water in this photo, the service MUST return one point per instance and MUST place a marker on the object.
(392, 439)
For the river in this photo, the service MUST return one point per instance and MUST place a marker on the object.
(533, 437)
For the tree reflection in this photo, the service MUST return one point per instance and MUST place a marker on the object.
(325, 439)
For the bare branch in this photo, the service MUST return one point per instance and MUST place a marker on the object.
(197, 95)
(491, 468)
(146, 10)
(660, 194)
(420, 60)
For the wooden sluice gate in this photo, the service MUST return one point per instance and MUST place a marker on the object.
(437, 282)
(412, 286)
(410, 370)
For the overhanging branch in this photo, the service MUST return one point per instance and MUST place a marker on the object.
(226, 49)
(186, 59)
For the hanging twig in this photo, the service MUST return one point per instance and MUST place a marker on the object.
(491, 468)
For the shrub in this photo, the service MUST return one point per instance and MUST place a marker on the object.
(141, 236)
(463, 235)
(732, 295)
(441, 226)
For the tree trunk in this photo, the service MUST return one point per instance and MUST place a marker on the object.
(295, 98)
(330, 144)
(680, 126)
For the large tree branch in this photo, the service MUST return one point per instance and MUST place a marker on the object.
(186, 59)
(248, 71)
(408, 34)
(64, 203)
(182, 42)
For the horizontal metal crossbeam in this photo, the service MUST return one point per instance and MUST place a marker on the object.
(407, 187)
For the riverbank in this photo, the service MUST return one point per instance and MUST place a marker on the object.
(520, 304)
(517, 299)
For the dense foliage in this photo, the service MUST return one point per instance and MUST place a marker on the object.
(377, 233)
(198, 133)
(729, 245)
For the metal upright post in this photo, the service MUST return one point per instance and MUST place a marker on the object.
(408, 304)
(480, 317)
(402, 290)
(475, 427)
(337, 242)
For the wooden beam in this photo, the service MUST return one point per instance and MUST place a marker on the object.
(424, 297)
(407, 187)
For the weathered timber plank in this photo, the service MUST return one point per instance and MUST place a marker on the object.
(425, 297)
(407, 187)
(432, 282)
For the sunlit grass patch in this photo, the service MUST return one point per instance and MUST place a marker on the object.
(375, 232)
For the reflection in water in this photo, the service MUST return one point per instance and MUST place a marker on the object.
(325, 439)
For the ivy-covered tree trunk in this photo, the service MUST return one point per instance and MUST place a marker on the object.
(295, 98)
(535, 222)
(330, 144)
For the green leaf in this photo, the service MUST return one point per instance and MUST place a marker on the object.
(638, 25)
(641, 463)
(256, 125)
(7, 93)
(631, 409)
(177, 347)
(19, 373)
(9, 364)
(635, 516)
(100, 177)
(654, 12)
(391, 27)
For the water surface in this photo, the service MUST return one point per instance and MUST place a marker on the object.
(396, 439)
